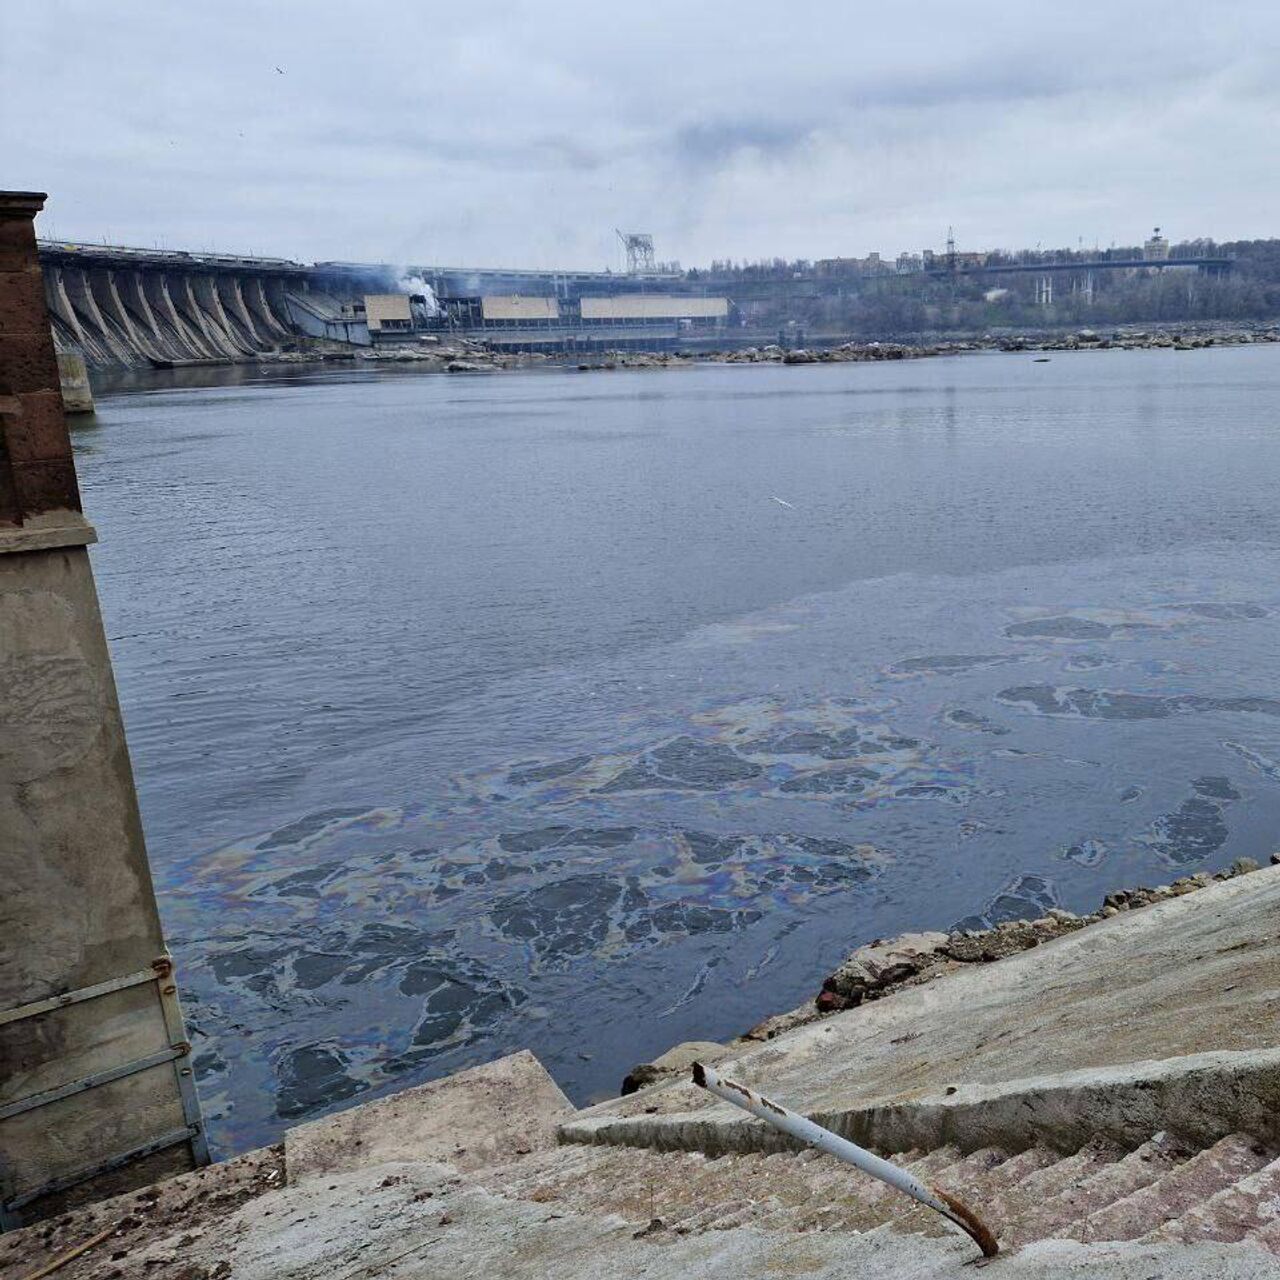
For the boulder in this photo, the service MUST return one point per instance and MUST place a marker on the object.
(882, 963)
(674, 1062)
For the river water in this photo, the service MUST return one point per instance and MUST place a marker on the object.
(594, 712)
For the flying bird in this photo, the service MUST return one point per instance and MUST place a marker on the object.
(279, 71)
(782, 502)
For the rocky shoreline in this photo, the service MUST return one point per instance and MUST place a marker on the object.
(468, 355)
(888, 965)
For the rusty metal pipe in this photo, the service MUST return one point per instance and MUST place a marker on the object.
(815, 1135)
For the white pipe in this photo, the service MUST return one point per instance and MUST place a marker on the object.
(815, 1135)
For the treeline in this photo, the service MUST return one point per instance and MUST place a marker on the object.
(1255, 258)
(1166, 298)
(890, 304)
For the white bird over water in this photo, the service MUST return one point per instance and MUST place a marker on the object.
(782, 502)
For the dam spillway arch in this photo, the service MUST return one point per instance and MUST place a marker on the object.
(136, 307)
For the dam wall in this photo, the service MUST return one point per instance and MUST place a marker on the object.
(117, 306)
(121, 307)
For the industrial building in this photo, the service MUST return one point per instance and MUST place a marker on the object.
(517, 308)
(641, 308)
(388, 313)
(520, 320)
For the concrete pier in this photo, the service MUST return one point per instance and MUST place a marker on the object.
(77, 395)
(96, 1090)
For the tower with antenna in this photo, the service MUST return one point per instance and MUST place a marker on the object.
(639, 247)
(951, 250)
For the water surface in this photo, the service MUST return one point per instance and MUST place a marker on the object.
(593, 712)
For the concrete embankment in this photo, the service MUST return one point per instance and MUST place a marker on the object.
(1107, 1099)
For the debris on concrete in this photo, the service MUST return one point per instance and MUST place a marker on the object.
(675, 1062)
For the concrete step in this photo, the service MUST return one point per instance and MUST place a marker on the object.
(1161, 1192)
(1063, 1215)
(976, 1172)
(1021, 1199)
(973, 1180)
(1239, 1212)
(1202, 1176)
(1022, 1166)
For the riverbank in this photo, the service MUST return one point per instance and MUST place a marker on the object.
(886, 966)
(1172, 338)
(469, 356)
(455, 354)
(1108, 1106)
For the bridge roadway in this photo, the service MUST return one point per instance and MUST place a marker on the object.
(1212, 266)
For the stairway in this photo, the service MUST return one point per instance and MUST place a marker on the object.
(1162, 1192)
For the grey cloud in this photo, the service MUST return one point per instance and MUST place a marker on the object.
(712, 142)
(524, 132)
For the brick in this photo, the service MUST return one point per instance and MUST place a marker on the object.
(10, 511)
(17, 243)
(39, 432)
(46, 486)
(27, 362)
(22, 303)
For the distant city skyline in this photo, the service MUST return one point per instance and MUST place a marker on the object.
(520, 134)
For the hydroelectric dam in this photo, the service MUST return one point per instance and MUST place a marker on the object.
(120, 306)
(117, 306)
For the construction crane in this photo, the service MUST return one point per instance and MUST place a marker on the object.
(639, 247)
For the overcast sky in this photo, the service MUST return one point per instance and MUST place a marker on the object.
(522, 134)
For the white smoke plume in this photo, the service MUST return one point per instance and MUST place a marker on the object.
(412, 283)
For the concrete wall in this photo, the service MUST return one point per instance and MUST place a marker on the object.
(125, 315)
(96, 1092)
(320, 316)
